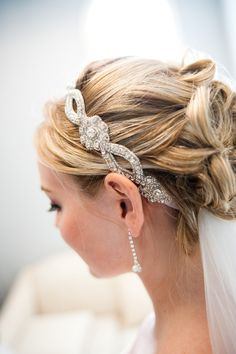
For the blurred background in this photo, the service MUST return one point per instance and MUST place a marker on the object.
(44, 45)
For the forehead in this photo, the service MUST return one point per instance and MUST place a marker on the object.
(53, 180)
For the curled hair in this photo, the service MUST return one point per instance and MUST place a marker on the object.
(178, 120)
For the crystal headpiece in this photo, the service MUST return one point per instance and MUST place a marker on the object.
(94, 135)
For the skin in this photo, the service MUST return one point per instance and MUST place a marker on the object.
(97, 229)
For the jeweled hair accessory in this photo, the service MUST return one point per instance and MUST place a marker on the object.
(94, 135)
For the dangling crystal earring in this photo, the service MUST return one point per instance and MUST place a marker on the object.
(136, 266)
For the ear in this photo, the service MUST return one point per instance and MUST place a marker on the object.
(128, 199)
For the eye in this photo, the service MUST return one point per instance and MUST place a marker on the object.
(54, 207)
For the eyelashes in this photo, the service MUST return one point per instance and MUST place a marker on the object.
(54, 207)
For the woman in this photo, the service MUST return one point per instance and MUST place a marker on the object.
(139, 161)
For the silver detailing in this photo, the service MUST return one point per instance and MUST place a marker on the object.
(136, 268)
(94, 135)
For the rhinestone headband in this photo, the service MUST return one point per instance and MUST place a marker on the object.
(94, 135)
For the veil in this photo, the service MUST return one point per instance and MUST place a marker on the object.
(218, 252)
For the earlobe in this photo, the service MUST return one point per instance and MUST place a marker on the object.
(129, 200)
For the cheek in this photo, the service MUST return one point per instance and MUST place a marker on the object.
(81, 232)
(101, 244)
(69, 229)
(106, 248)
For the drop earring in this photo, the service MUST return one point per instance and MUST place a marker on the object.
(136, 266)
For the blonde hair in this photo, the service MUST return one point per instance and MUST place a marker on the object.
(178, 120)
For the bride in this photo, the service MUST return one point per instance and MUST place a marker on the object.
(139, 160)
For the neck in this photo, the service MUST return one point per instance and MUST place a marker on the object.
(179, 305)
(181, 328)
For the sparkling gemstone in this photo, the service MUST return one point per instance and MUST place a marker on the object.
(91, 132)
(91, 127)
(136, 268)
(96, 145)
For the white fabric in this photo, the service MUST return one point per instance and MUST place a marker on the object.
(5, 350)
(55, 306)
(144, 341)
(79, 332)
(218, 250)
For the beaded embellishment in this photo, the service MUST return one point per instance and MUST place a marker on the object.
(136, 268)
(94, 135)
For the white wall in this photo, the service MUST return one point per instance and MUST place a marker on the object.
(43, 48)
(203, 27)
(229, 10)
(40, 53)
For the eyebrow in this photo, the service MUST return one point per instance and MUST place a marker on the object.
(45, 189)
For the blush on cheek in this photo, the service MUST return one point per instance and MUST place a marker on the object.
(75, 239)
(69, 235)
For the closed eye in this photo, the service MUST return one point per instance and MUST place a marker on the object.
(54, 207)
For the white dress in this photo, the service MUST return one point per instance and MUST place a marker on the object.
(144, 341)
